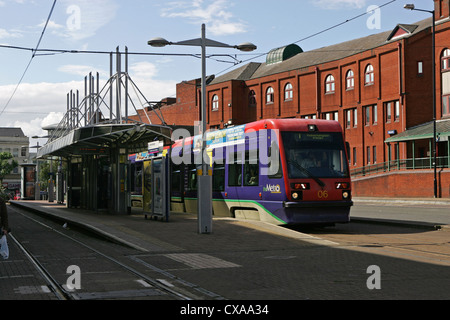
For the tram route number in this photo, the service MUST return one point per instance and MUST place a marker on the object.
(322, 194)
(229, 309)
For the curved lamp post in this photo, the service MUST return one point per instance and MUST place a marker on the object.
(204, 193)
(411, 6)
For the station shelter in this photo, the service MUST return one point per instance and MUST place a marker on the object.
(97, 162)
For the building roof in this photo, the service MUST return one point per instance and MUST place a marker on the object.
(11, 132)
(423, 131)
(322, 55)
(283, 53)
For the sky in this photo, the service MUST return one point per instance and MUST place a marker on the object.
(34, 97)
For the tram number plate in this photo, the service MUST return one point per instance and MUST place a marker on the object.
(322, 194)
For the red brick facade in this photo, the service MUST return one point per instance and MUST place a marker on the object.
(374, 86)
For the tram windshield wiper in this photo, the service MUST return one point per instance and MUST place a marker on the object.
(308, 174)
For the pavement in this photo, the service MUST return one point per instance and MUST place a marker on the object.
(180, 233)
(112, 226)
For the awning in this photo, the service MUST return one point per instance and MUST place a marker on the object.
(424, 131)
(98, 138)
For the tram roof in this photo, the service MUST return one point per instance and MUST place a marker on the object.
(280, 124)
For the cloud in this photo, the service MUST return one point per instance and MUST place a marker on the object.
(340, 4)
(216, 15)
(81, 70)
(5, 34)
(39, 104)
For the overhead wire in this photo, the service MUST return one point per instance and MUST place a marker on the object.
(316, 33)
(36, 51)
(31, 59)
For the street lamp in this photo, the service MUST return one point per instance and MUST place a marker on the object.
(51, 184)
(204, 193)
(433, 58)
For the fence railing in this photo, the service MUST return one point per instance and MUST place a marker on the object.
(401, 164)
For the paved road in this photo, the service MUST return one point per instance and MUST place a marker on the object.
(245, 260)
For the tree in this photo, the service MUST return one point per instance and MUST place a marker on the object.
(6, 164)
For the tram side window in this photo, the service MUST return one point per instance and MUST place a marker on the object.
(275, 170)
(176, 178)
(192, 178)
(235, 169)
(219, 177)
(251, 168)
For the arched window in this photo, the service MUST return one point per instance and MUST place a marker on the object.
(288, 91)
(329, 84)
(445, 59)
(252, 98)
(369, 77)
(269, 95)
(445, 75)
(350, 80)
(215, 103)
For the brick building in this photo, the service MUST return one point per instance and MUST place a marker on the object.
(378, 87)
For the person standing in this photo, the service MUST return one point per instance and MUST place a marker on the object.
(3, 218)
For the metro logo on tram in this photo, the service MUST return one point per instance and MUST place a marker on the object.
(272, 188)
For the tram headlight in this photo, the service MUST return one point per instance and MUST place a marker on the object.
(296, 195)
(345, 195)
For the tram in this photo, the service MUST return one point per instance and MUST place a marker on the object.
(282, 171)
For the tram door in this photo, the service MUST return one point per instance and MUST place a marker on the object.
(156, 188)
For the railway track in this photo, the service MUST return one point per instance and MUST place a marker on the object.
(108, 271)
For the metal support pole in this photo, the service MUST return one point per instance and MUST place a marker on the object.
(118, 88)
(126, 84)
(204, 197)
(110, 87)
(433, 57)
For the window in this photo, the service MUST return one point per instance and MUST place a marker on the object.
(374, 154)
(369, 77)
(269, 95)
(252, 99)
(329, 84)
(388, 111)
(446, 82)
(215, 103)
(446, 60)
(446, 105)
(349, 118)
(218, 177)
(336, 116)
(355, 117)
(374, 114)
(350, 80)
(354, 156)
(251, 167)
(368, 155)
(235, 169)
(420, 68)
(367, 122)
(308, 156)
(23, 152)
(288, 92)
(397, 111)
